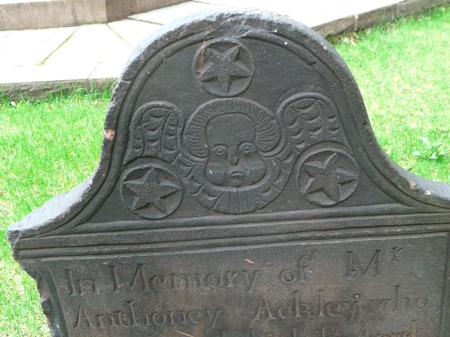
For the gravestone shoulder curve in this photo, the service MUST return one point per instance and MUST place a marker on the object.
(238, 157)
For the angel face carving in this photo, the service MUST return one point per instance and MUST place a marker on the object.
(233, 159)
(231, 163)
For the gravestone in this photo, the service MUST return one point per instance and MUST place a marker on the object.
(241, 193)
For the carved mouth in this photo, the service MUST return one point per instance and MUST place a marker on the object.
(236, 174)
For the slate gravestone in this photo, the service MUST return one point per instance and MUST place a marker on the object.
(241, 193)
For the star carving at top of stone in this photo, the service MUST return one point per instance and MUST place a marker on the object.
(151, 190)
(327, 177)
(224, 67)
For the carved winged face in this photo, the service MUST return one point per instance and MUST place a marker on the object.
(231, 163)
(233, 158)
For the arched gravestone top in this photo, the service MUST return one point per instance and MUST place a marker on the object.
(241, 191)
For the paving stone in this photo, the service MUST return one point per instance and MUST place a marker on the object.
(5, 33)
(86, 53)
(168, 14)
(109, 70)
(132, 31)
(283, 7)
(30, 47)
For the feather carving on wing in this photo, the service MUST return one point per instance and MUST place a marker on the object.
(155, 132)
(308, 119)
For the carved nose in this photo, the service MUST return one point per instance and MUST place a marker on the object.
(233, 155)
(233, 159)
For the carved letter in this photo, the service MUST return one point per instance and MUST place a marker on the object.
(354, 267)
(181, 314)
(159, 318)
(70, 283)
(79, 287)
(395, 252)
(263, 309)
(364, 332)
(87, 287)
(251, 277)
(112, 321)
(400, 302)
(133, 315)
(412, 332)
(195, 316)
(382, 305)
(119, 283)
(213, 315)
(160, 283)
(83, 317)
(355, 307)
(303, 264)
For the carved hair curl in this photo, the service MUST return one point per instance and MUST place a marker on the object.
(267, 127)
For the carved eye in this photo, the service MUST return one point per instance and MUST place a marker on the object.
(247, 147)
(219, 150)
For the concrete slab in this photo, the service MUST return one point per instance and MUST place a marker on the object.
(168, 14)
(6, 33)
(30, 47)
(109, 69)
(132, 31)
(355, 6)
(283, 7)
(89, 46)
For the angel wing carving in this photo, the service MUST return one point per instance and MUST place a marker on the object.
(155, 132)
(310, 118)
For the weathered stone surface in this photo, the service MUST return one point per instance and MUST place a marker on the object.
(29, 48)
(241, 192)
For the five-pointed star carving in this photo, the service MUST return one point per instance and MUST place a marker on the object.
(326, 176)
(150, 190)
(223, 67)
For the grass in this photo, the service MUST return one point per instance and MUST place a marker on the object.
(402, 69)
(48, 147)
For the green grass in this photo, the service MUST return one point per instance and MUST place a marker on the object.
(48, 147)
(402, 70)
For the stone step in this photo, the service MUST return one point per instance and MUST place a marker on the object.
(36, 14)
